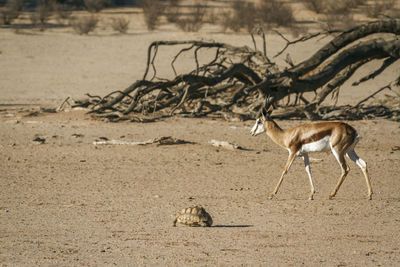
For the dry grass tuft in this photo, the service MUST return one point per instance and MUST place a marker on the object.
(172, 11)
(152, 11)
(317, 6)
(11, 11)
(247, 15)
(96, 5)
(85, 25)
(120, 25)
(380, 7)
(244, 16)
(63, 11)
(194, 21)
(42, 13)
(276, 13)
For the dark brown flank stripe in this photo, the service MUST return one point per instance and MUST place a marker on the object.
(315, 137)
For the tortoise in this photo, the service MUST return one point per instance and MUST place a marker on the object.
(193, 216)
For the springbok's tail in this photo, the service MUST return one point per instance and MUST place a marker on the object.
(355, 142)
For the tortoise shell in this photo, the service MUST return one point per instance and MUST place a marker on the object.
(193, 216)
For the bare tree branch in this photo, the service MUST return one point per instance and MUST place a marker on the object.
(386, 63)
(237, 79)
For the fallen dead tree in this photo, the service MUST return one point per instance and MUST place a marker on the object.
(236, 80)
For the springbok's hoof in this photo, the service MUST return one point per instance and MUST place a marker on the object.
(270, 196)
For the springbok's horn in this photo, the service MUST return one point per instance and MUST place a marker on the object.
(263, 113)
(268, 107)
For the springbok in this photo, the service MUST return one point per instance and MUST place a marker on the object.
(339, 137)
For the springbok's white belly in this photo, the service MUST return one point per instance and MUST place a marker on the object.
(320, 145)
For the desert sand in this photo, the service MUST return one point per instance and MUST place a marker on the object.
(67, 202)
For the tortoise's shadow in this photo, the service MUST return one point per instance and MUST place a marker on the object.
(232, 226)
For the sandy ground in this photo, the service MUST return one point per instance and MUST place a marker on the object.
(68, 202)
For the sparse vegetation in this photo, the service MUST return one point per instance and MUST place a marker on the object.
(11, 11)
(84, 25)
(247, 14)
(380, 7)
(243, 16)
(317, 6)
(278, 13)
(172, 10)
(339, 21)
(43, 12)
(327, 6)
(192, 22)
(152, 11)
(336, 14)
(63, 11)
(120, 24)
(96, 5)
(34, 18)
(46, 8)
(339, 14)
(190, 16)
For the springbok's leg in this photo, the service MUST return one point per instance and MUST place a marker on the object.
(345, 170)
(308, 170)
(363, 166)
(289, 162)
